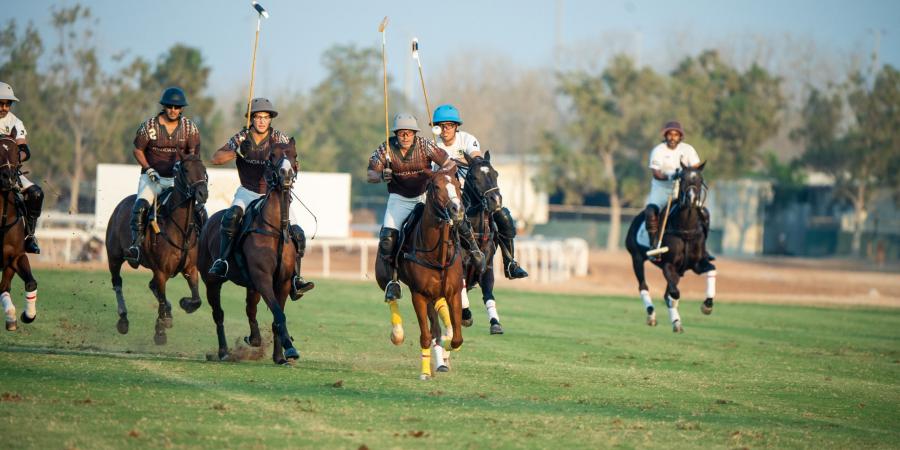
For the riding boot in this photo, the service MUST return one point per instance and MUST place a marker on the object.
(231, 221)
(506, 233)
(651, 219)
(704, 222)
(34, 200)
(299, 286)
(387, 242)
(467, 241)
(138, 228)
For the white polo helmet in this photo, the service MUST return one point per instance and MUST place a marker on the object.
(6, 92)
(405, 121)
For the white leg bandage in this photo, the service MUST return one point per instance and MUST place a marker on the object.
(30, 300)
(465, 296)
(645, 297)
(673, 309)
(711, 284)
(437, 354)
(8, 308)
(491, 307)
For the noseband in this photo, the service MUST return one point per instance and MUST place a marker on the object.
(471, 190)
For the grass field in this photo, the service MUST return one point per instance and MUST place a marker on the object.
(571, 371)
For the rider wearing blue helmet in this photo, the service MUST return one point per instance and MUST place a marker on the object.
(457, 143)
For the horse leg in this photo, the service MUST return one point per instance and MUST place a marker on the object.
(466, 312)
(290, 352)
(214, 297)
(9, 309)
(115, 269)
(164, 309)
(439, 355)
(192, 303)
(490, 305)
(456, 338)
(420, 304)
(672, 296)
(23, 268)
(707, 306)
(281, 337)
(637, 264)
(252, 300)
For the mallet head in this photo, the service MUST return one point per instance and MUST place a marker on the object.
(415, 48)
(259, 9)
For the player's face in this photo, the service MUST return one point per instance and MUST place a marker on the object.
(5, 106)
(448, 130)
(673, 138)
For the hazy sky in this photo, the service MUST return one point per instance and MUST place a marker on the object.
(525, 32)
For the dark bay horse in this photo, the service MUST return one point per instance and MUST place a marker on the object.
(171, 251)
(13, 259)
(481, 197)
(430, 263)
(684, 237)
(263, 260)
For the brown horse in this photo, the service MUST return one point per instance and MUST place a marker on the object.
(171, 251)
(263, 260)
(13, 259)
(430, 263)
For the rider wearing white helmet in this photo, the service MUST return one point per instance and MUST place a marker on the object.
(32, 195)
(250, 148)
(406, 176)
(458, 143)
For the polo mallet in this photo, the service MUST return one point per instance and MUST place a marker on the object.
(659, 250)
(387, 132)
(435, 130)
(261, 13)
(397, 335)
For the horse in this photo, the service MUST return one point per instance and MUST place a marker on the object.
(430, 263)
(481, 197)
(13, 259)
(170, 250)
(263, 259)
(684, 236)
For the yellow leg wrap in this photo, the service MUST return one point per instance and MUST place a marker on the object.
(426, 363)
(397, 334)
(444, 313)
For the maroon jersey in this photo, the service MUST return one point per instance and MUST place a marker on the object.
(252, 167)
(410, 178)
(161, 148)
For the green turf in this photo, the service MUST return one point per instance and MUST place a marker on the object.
(571, 371)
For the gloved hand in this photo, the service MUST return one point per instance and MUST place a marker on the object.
(244, 148)
(387, 175)
(153, 175)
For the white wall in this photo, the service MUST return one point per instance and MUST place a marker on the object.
(327, 195)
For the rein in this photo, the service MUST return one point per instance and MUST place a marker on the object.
(188, 192)
(442, 214)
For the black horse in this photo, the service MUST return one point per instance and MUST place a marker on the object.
(683, 234)
(482, 199)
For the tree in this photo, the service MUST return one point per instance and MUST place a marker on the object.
(183, 66)
(864, 156)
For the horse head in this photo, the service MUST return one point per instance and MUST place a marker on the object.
(281, 167)
(692, 189)
(481, 183)
(9, 164)
(445, 195)
(191, 179)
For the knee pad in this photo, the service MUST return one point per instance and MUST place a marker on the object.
(299, 238)
(232, 217)
(34, 193)
(505, 223)
(387, 239)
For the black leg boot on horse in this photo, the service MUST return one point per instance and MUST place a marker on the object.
(231, 222)
(34, 199)
(299, 286)
(651, 219)
(506, 234)
(138, 228)
(467, 240)
(387, 242)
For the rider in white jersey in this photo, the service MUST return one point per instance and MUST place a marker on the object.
(32, 196)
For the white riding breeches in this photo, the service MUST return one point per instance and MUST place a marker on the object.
(659, 197)
(398, 209)
(243, 197)
(149, 190)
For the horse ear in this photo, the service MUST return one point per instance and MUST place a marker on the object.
(487, 155)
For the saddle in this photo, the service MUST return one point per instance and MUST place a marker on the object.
(253, 210)
(163, 199)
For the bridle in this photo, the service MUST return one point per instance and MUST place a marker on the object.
(478, 199)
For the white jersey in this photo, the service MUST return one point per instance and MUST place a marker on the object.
(668, 161)
(11, 121)
(464, 143)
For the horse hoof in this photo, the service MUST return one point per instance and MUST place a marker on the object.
(292, 354)
(282, 362)
(424, 377)
(160, 339)
(12, 325)
(676, 327)
(397, 335)
(442, 368)
(651, 319)
(122, 326)
(253, 342)
(707, 306)
(467, 317)
(27, 319)
(496, 328)
(189, 305)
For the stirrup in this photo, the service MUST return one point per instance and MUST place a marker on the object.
(392, 291)
(133, 255)
(31, 245)
(514, 271)
(216, 268)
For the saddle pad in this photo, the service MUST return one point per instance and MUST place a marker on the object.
(643, 237)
